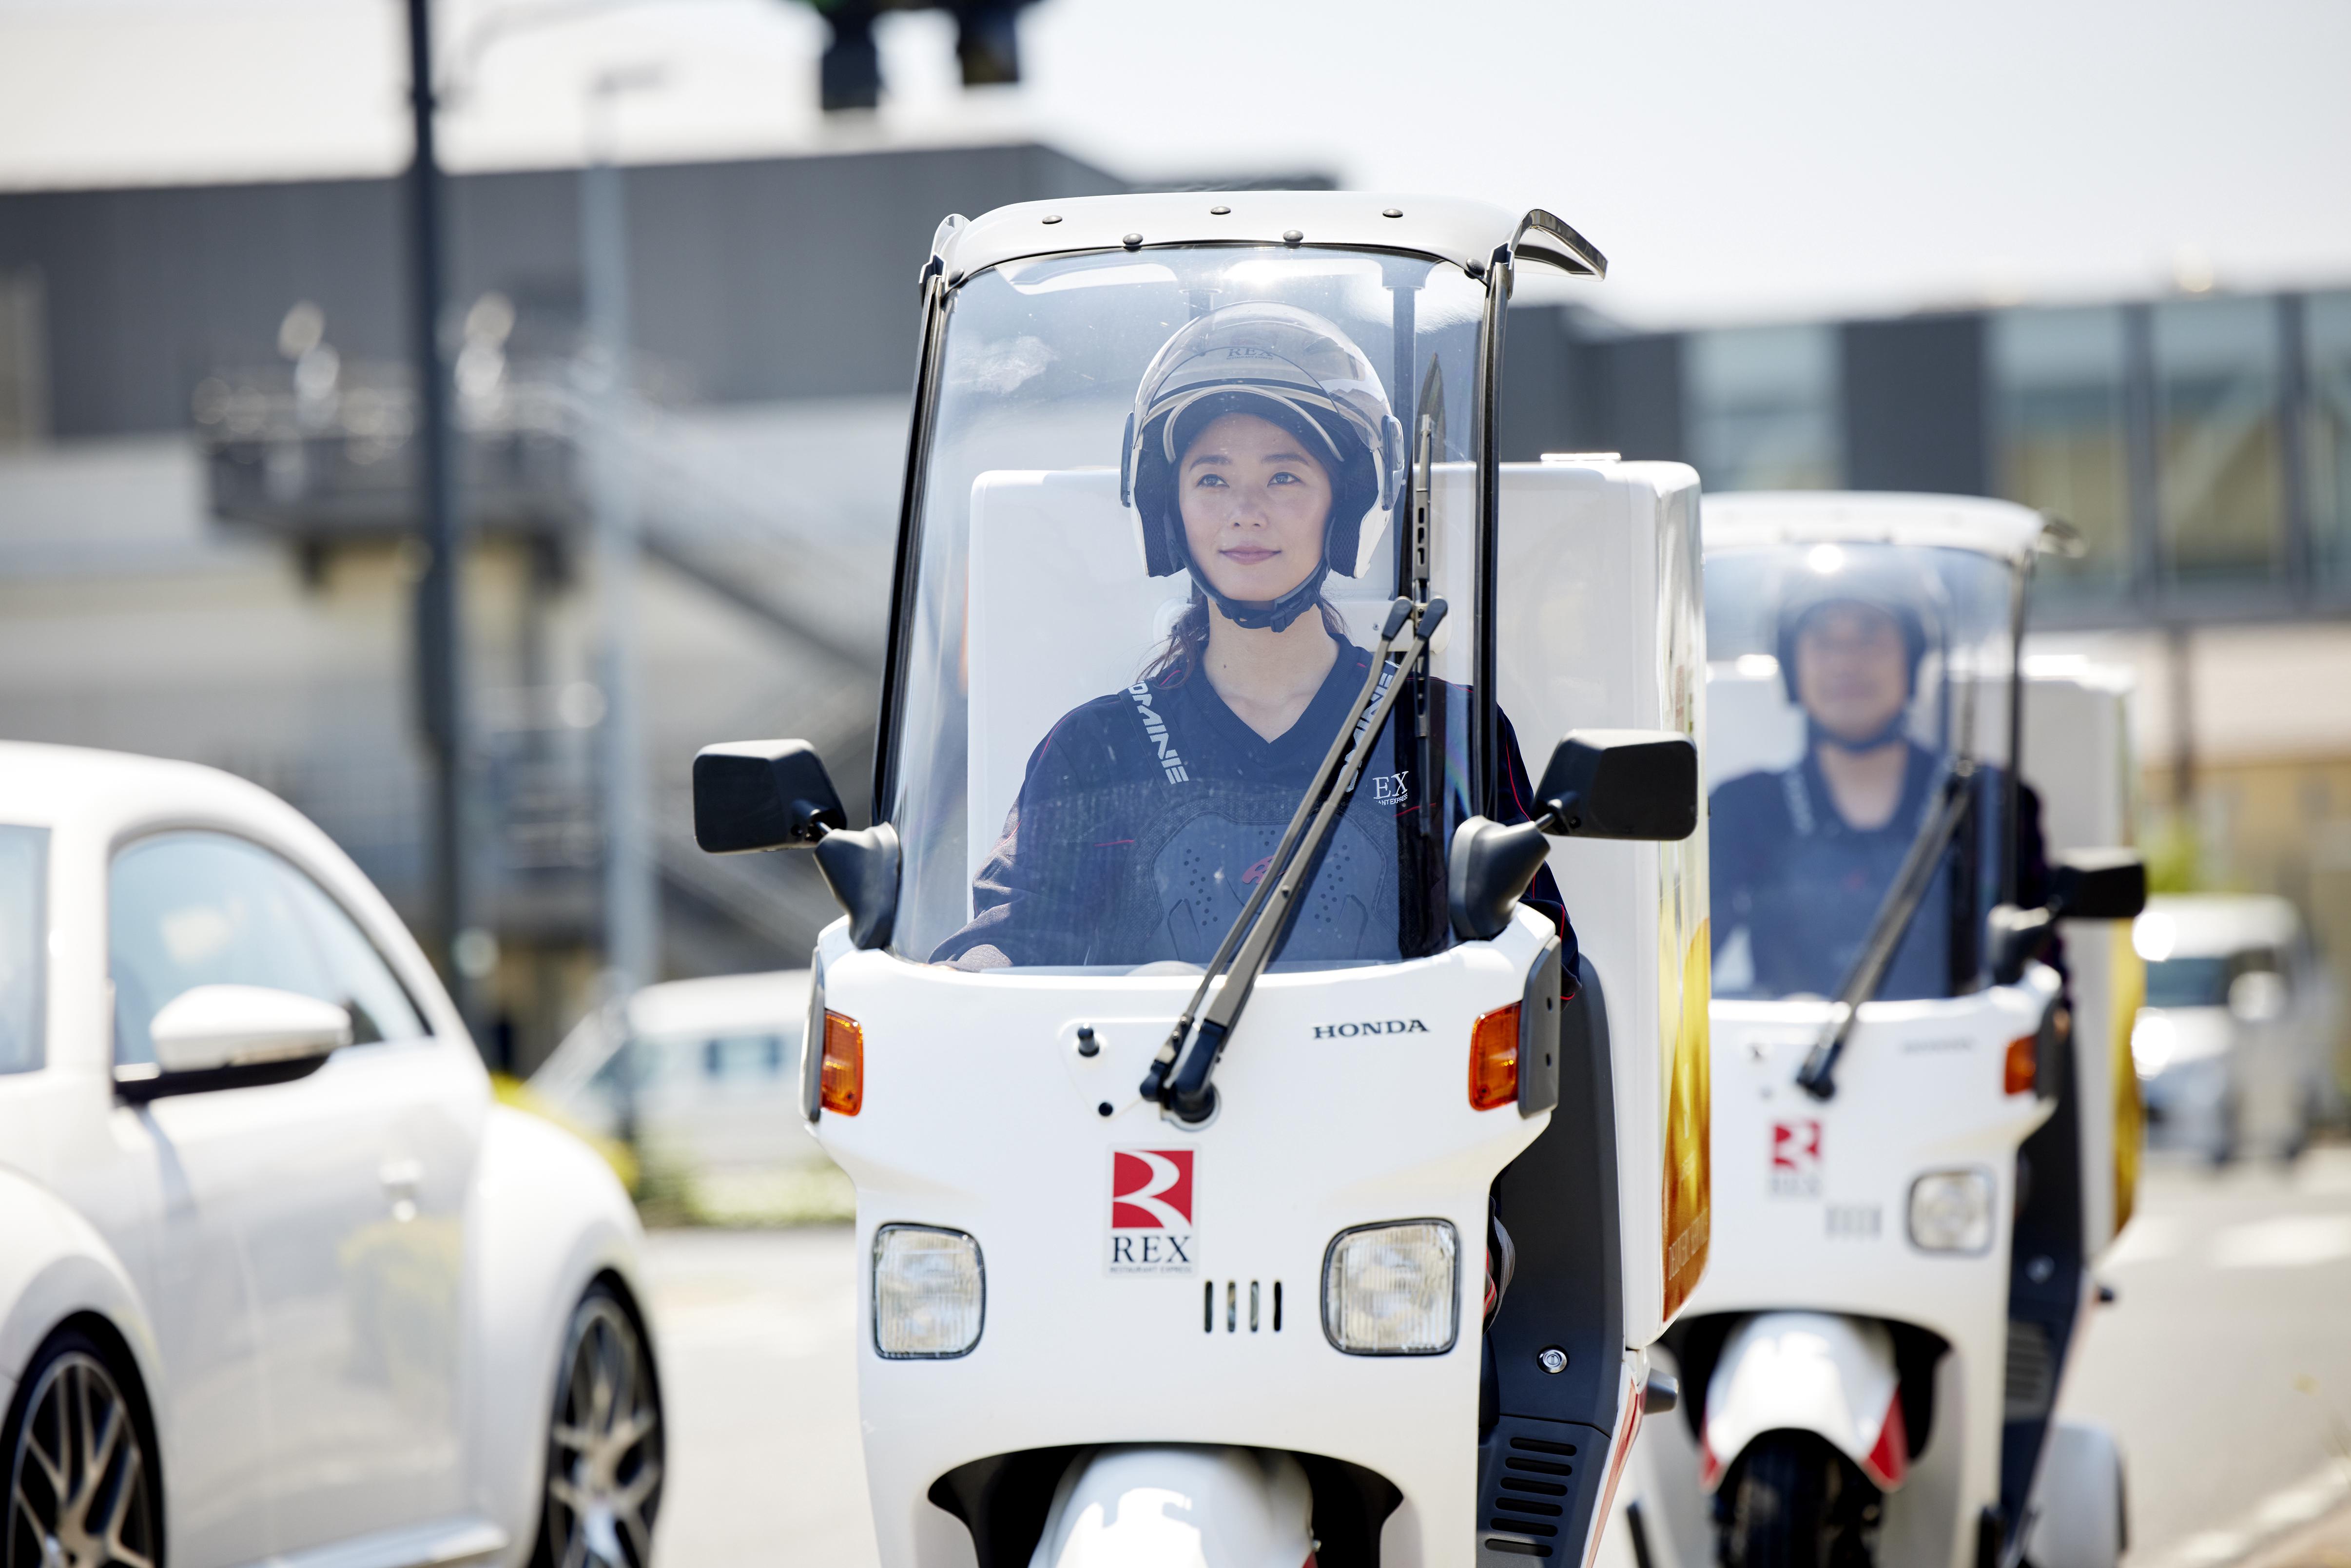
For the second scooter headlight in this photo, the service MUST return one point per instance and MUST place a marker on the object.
(1951, 1211)
(1389, 1290)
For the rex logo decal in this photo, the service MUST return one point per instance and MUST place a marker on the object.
(1151, 1230)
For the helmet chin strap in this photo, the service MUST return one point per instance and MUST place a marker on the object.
(1265, 614)
(1886, 734)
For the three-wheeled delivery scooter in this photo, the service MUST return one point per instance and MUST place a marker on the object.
(1924, 1130)
(1251, 1170)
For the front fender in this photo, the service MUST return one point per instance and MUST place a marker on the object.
(53, 1264)
(545, 1217)
(1166, 1506)
(1809, 1372)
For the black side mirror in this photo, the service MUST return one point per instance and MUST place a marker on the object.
(776, 795)
(1601, 784)
(2085, 884)
(752, 795)
(2098, 884)
(1487, 870)
(1621, 784)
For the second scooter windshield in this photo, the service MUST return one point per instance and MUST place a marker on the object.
(1858, 701)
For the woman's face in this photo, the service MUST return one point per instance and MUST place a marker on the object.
(1254, 501)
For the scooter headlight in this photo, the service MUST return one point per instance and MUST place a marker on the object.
(1951, 1211)
(1388, 1290)
(930, 1292)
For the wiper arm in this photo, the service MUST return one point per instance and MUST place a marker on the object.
(1249, 945)
(1817, 1077)
(1907, 891)
(1154, 1081)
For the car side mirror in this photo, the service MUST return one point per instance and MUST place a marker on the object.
(228, 1037)
(2257, 996)
(2098, 884)
(754, 795)
(1621, 784)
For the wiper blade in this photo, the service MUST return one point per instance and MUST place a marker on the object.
(1249, 945)
(1902, 896)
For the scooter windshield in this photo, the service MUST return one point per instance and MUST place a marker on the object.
(1847, 682)
(1163, 510)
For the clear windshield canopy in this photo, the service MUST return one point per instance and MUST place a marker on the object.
(1849, 683)
(1167, 506)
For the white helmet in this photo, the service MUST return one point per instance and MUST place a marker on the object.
(1287, 365)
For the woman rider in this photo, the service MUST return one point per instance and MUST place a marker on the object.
(1260, 442)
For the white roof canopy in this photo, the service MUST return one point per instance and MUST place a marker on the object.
(1463, 232)
(1746, 519)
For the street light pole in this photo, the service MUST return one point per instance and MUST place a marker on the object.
(631, 896)
(461, 947)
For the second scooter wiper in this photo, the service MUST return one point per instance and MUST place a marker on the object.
(1817, 1076)
(1180, 1079)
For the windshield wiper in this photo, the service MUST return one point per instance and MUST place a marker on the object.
(1817, 1077)
(1179, 1079)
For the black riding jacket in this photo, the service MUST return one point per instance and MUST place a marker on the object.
(1805, 886)
(1147, 817)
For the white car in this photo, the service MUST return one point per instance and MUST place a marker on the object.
(279, 1282)
(2233, 1043)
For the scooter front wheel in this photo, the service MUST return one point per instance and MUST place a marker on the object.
(1792, 1500)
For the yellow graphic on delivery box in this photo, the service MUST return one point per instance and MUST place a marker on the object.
(1685, 944)
(1688, 1185)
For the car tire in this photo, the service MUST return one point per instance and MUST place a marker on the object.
(83, 1483)
(605, 1442)
(1793, 1501)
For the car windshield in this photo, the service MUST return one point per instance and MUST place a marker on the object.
(2199, 982)
(1846, 680)
(1164, 511)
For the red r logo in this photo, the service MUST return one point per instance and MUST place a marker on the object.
(1151, 1189)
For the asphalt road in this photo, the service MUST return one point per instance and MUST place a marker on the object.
(2225, 1365)
(2224, 1368)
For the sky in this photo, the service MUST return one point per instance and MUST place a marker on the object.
(1738, 160)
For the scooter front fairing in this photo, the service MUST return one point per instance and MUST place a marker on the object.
(1187, 1012)
(1196, 1316)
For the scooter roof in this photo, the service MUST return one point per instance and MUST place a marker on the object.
(1464, 232)
(1744, 520)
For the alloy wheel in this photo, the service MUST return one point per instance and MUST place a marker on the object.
(604, 1445)
(80, 1494)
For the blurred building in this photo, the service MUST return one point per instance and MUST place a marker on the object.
(207, 500)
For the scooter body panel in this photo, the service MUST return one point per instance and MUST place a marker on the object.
(1812, 1372)
(2077, 1500)
(1813, 1201)
(1320, 1128)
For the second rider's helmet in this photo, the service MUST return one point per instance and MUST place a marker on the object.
(1911, 598)
(1303, 374)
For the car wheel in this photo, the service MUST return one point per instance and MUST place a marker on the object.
(81, 1469)
(604, 1443)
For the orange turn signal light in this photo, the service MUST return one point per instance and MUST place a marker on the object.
(2023, 1064)
(1494, 1059)
(844, 1082)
